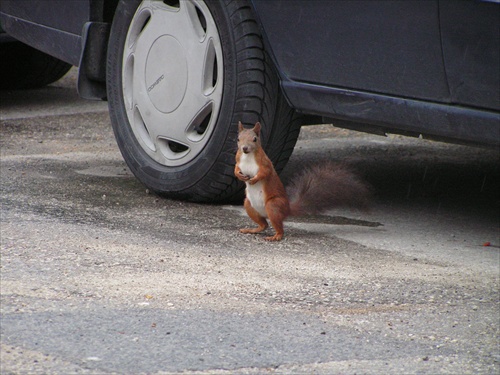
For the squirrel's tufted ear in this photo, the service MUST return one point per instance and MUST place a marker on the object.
(256, 128)
(240, 127)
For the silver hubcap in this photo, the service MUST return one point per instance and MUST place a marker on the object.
(172, 79)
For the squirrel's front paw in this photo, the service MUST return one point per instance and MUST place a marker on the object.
(242, 177)
(252, 181)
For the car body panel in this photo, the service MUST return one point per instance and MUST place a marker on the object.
(383, 114)
(63, 15)
(398, 80)
(54, 27)
(386, 47)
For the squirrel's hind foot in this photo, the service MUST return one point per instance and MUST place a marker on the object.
(252, 230)
(276, 237)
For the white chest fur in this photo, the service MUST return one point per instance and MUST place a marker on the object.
(248, 164)
(255, 193)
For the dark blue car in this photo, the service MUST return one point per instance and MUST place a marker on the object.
(179, 75)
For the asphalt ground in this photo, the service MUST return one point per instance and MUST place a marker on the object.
(99, 276)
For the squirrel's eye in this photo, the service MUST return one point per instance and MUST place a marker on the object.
(238, 140)
(255, 139)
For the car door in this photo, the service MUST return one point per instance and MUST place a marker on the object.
(386, 47)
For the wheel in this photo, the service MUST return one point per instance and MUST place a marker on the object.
(180, 75)
(23, 67)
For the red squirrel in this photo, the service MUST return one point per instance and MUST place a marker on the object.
(315, 190)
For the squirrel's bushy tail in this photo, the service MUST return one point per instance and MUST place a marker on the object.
(327, 186)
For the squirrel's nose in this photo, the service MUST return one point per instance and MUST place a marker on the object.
(245, 149)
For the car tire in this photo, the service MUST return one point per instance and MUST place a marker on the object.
(23, 67)
(180, 75)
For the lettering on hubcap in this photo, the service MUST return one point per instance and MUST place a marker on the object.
(160, 78)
